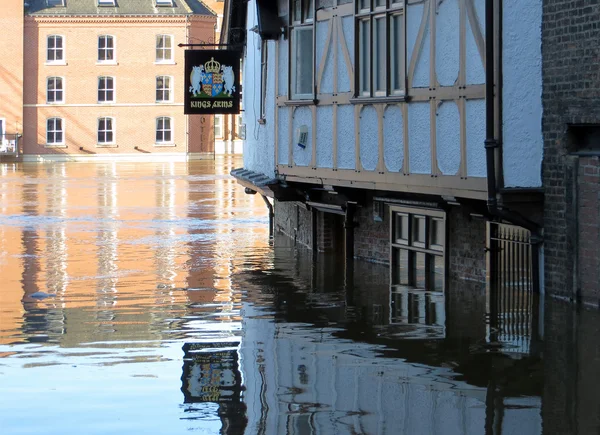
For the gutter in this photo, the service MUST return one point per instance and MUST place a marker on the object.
(492, 144)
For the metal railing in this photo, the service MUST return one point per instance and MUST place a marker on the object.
(9, 144)
(513, 310)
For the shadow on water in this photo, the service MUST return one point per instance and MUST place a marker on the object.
(150, 299)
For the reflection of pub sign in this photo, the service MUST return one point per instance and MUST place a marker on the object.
(211, 82)
(211, 373)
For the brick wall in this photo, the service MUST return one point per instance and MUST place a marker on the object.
(588, 205)
(571, 88)
(371, 238)
(293, 220)
(11, 65)
(466, 246)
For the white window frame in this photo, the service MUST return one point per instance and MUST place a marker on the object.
(61, 90)
(301, 20)
(55, 3)
(381, 62)
(55, 50)
(106, 50)
(218, 126)
(163, 3)
(106, 3)
(54, 131)
(164, 89)
(112, 131)
(163, 60)
(163, 130)
(105, 90)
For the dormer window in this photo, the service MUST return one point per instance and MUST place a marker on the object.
(55, 2)
(106, 3)
(168, 3)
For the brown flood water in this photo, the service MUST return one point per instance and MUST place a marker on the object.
(148, 298)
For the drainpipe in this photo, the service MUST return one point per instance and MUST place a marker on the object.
(492, 144)
(271, 214)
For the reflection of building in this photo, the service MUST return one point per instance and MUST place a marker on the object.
(92, 80)
(321, 354)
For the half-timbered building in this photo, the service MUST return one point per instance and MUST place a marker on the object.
(399, 131)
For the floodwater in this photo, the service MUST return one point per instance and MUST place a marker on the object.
(149, 299)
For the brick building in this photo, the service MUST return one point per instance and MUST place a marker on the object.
(571, 166)
(102, 78)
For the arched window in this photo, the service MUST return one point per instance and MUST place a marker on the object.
(164, 132)
(54, 131)
(54, 90)
(106, 131)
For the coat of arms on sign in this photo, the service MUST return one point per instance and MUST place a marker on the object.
(212, 80)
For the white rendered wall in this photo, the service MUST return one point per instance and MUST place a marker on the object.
(259, 152)
(522, 93)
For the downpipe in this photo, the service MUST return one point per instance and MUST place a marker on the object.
(492, 145)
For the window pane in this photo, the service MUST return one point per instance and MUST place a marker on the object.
(160, 124)
(379, 61)
(109, 42)
(418, 230)
(58, 55)
(101, 137)
(101, 42)
(167, 42)
(108, 124)
(365, 4)
(304, 61)
(58, 124)
(58, 137)
(437, 233)
(438, 273)
(364, 57)
(167, 137)
(101, 124)
(401, 228)
(401, 267)
(58, 42)
(167, 123)
(379, 3)
(397, 52)
(420, 270)
(51, 42)
(109, 136)
(109, 96)
(59, 96)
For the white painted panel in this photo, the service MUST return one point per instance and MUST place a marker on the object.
(322, 31)
(346, 145)
(369, 138)
(282, 67)
(344, 84)
(414, 18)
(475, 71)
(447, 129)
(447, 42)
(325, 136)
(302, 117)
(283, 124)
(259, 152)
(419, 139)
(414, 13)
(476, 164)
(522, 93)
(393, 138)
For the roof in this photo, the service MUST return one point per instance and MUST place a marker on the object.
(123, 7)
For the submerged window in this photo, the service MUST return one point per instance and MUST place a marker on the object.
(418, 248)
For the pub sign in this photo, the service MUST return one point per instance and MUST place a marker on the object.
(211, 82)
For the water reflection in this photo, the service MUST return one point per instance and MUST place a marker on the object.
(148, 298)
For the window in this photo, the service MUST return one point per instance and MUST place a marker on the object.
(106, 49)
(54, 90)
(106, 3)
(302, 58)
(380, 47)
(163, 130)
(106, 132)
(164, 3)
(55, 2)
(163, 89)
(418, 248)
(54, 131)
(218, 126)
(55, 49)
(106, 89)
(164, 48)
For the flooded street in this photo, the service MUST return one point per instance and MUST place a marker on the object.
(148, 298)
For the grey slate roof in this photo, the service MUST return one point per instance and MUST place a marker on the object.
(124, 7)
